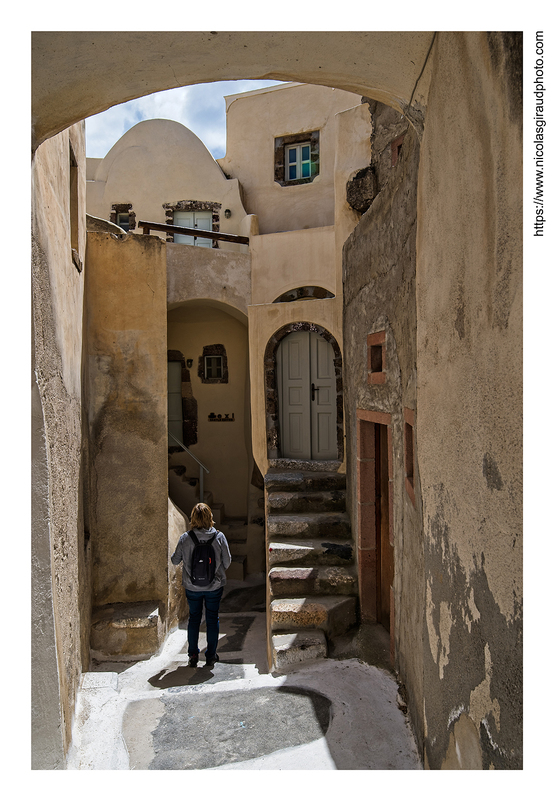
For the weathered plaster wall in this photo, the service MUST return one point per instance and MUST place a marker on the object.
(60, 555)
(207, 273)
(126, 375)
(352, 153)
(379, 295)
(469, 399)
(254, 119)
(290, 260)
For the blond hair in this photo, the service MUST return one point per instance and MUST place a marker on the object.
(201, 516)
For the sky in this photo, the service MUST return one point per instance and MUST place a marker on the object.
(200, 107)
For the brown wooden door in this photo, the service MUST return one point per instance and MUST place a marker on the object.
(385, 551)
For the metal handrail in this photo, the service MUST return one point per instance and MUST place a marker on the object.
(202, 466)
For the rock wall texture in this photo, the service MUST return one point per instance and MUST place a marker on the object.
(379, 268)
(452, 319)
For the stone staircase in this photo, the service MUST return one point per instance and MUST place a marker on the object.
(236, 532)
(312, 577)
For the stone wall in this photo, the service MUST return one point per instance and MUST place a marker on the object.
(379, 271)
(452, 326)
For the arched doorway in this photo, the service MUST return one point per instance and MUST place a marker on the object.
(304, 403)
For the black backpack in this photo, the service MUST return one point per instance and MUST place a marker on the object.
(202, 568)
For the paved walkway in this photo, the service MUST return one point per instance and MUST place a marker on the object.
(159, 714)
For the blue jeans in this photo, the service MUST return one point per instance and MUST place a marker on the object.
(196, 602)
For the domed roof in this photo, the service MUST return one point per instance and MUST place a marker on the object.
(152, 148)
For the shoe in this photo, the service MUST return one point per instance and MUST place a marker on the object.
(193, 661)
(212, 660)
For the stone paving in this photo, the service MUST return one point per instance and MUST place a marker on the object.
(159, 714)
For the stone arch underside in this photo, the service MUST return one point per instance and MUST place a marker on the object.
(76, 74)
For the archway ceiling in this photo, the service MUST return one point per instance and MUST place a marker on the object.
(79, 73)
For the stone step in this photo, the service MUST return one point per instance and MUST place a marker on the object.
(235, 533)
(332, 614)
(293, 647)
(294, 481)
(126, 631)
(310, 552)
(218, 512)
(238, 549)
(304, 581)
(335, 525)
(237, 568)
(279, 502)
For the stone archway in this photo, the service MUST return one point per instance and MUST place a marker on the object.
(475, 79)
(270, 383)
(76, 74)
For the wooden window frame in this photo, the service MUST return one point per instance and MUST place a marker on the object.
(213, 350)
(282, 143)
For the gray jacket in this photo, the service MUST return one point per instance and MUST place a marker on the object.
(183, 553)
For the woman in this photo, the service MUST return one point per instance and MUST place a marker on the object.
(199, 594)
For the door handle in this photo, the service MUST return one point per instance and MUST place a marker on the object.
(314, 390)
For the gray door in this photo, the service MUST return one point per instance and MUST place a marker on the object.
(306, 388)
(193, 219)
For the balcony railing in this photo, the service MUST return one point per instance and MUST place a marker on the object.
(198, 233)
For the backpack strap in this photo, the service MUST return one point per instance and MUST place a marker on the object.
(194, 538)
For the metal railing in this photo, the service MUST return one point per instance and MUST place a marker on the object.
(202, 466)
(198, 233)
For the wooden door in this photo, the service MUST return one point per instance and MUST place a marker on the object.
(323, 393)
(385, 550)
(306, 388)
(293, 386)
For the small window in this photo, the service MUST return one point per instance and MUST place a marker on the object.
(122, 215)
(122, 219)
(213, 366)
(298, 161)
(376, 358)
(296, 158)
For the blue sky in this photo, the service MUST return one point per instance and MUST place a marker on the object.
(200, 107)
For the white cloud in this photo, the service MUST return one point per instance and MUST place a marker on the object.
(200, 107)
